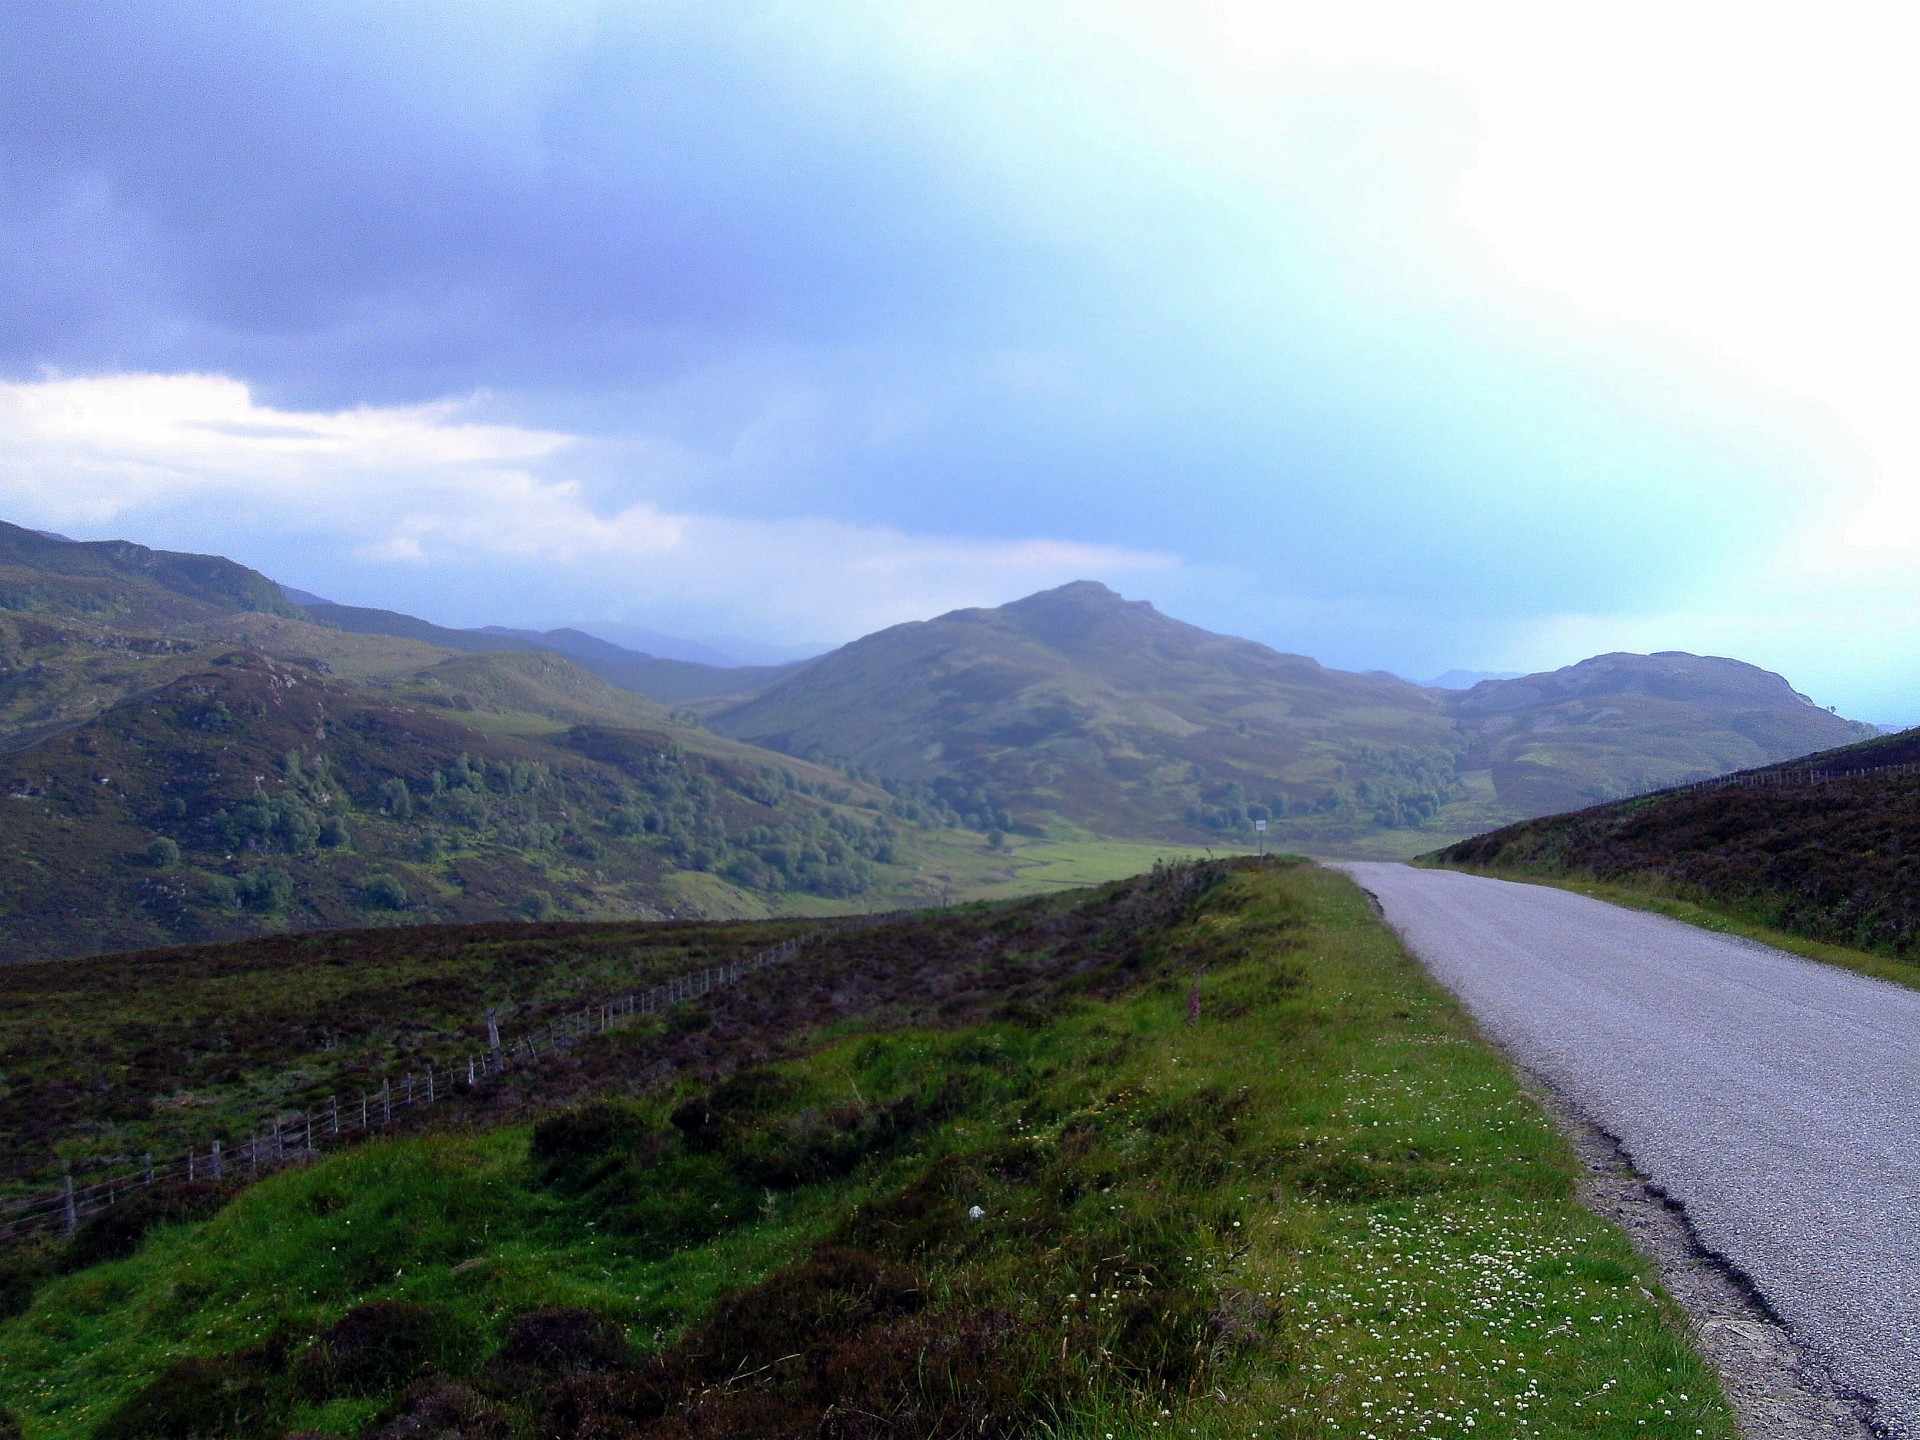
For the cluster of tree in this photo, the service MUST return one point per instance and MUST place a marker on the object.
(825, 853)
(1230, 807)
(947, 803)
(763, 827)
(308, 812)
(1407, 786)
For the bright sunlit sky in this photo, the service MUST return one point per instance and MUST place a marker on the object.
(1408, 336)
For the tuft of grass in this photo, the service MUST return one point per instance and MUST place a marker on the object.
(1322, 1209)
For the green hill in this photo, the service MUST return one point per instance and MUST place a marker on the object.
(115, 582)
(256, 794)
(1826, 847)
(1621, 724)
(1075, 705)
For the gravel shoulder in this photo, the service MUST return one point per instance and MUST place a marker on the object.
(1769, 1104)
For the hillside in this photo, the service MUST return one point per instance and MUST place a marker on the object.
(1198, 1154)
(1075, 704)
(1620, 724)
(1073, 719)
(115, 582)
(1080, 706)
(671, 682)
(256, 794)
(1834, 859)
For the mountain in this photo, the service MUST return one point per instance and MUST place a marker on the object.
(1077, 705)
(671, 682)
(120, 583)
(187, 753)
(1467, 679)
(1621, 724)
(184, 755)
(1826, 846)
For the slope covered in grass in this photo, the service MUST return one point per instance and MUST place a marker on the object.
(1833, 859)
(1046, 1198)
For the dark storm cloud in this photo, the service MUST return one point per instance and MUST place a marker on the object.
(380, 202)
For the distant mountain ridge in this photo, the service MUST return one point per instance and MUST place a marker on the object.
(668, 681)
(118, 581)
(1077, 704)
(132, 678)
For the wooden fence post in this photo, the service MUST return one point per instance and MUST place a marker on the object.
(493, 1040)
(149, 1160)
(69, 1210)
(219, 1163)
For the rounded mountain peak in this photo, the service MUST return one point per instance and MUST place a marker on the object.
(1084, 614)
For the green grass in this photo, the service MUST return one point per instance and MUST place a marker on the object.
(1726, 919)
(1324, 1210)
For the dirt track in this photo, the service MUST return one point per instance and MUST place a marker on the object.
(1778, 1100)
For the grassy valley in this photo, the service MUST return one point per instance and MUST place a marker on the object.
(1200, 1154)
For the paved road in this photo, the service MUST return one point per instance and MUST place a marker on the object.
(1779, 1100)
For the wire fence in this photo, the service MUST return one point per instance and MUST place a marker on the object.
(293, 1137)
(1762, 779)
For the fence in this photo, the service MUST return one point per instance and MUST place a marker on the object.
(292, 1137)
(1759, 779)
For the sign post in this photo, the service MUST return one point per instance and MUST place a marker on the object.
(1260, 829)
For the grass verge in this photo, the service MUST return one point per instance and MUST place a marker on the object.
(1322, 1209)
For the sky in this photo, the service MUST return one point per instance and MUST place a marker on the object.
(1405, 336)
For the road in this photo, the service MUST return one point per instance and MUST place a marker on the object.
(1776, 1098)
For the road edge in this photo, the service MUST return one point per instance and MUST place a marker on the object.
(1778, 1387)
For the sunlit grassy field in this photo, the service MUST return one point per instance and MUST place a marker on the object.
(1260, 1181)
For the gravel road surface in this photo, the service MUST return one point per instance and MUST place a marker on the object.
(1777, 1099)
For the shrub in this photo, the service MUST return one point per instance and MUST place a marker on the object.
(574, 1142)
(198, 1398)
(163, 854)
(117, 1231)
(383, 892)
(430, 1411)
(537, 906)
(560, 1341)
(266, 890)
(379, 1347)
(24, 1267)
(833, 1291)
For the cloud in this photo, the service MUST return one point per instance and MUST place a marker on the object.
(471, 520)
(1412, 331)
